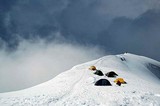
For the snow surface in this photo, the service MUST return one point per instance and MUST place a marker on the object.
(75, 87)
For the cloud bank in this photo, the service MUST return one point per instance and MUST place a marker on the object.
(35, 62)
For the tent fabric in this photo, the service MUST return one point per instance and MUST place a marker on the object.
(118, 83)
(103, 82)
(92, 68)
(121, 80)
(111, 74)
(99, 72)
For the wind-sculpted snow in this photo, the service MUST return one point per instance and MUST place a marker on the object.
(76, 87)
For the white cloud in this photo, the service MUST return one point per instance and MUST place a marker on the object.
(36, 62)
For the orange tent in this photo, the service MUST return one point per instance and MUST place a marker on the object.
(93, 68)
(121, 80)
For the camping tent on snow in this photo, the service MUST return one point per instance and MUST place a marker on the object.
(121, 80)
(99, 72)
(111, 74)
(93, 68)
(103, 82)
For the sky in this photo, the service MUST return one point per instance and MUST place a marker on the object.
(71, 32)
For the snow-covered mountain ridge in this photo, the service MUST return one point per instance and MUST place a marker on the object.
(76, 86)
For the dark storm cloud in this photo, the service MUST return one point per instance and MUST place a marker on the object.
(36, 17)
(118, 26)
(28, 18)
(140, 35)
(5, 7)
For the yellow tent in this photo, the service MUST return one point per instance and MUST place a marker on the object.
(92, 68)
(121, 80)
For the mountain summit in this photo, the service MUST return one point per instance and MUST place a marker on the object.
(76, 87)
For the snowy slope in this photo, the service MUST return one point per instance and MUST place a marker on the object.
(76, 86)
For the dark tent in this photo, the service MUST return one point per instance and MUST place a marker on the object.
(99, 72)
(111, 74)
(103, 82)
